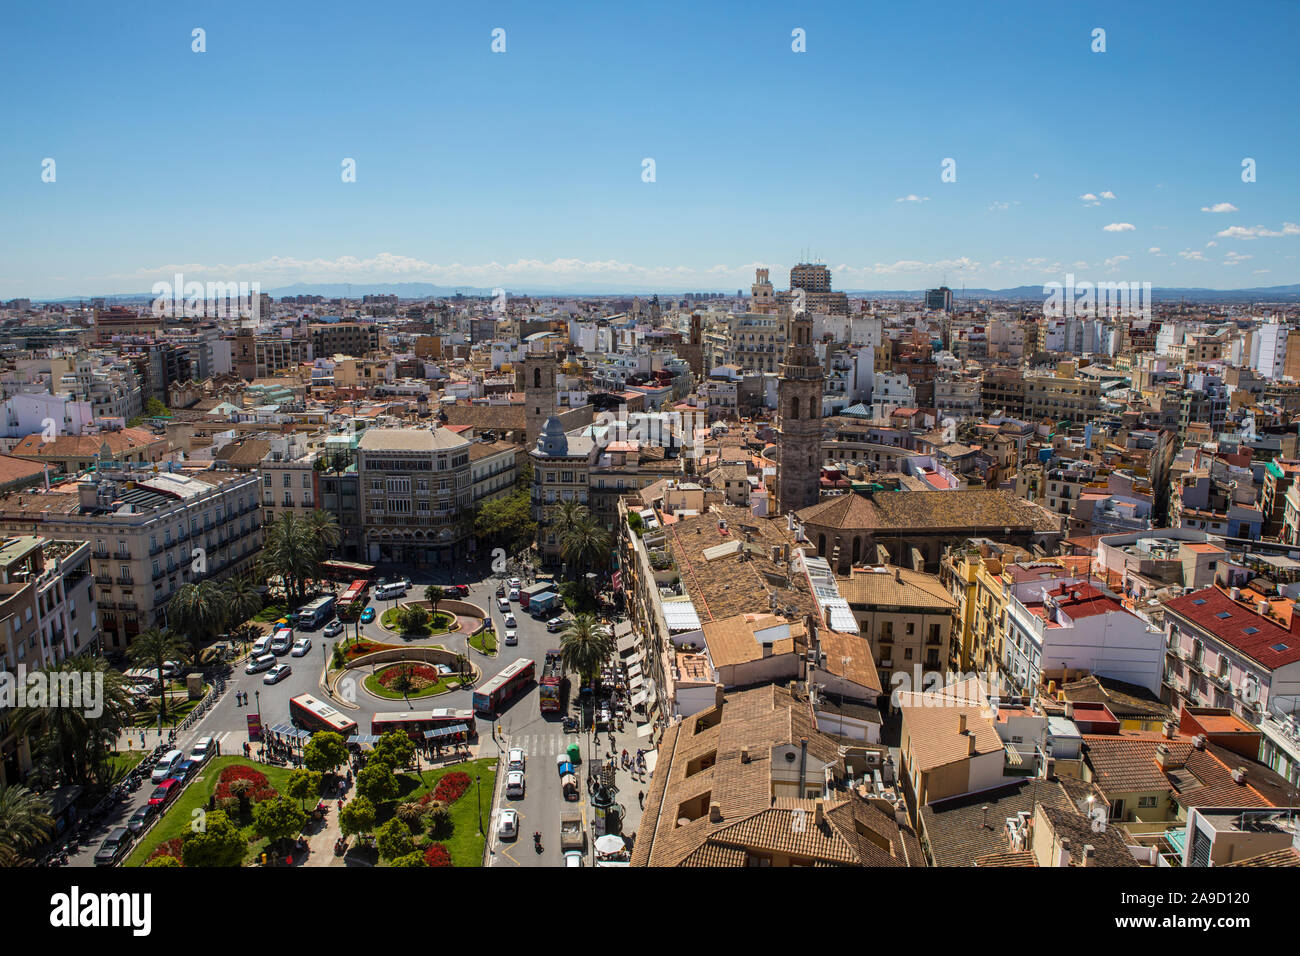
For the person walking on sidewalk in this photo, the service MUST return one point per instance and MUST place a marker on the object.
(640, 796)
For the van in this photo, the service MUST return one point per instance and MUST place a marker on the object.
(166, 766)
(261, 646)
(504, 605)
(395, 590)
(263, 662)
(281, 642)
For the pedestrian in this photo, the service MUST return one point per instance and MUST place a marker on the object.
(640, 796)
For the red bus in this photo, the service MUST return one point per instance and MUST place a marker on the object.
(346, 570)
(309, 713)
(355, 592)
(553, 687)
(416, 722)
(503, 688)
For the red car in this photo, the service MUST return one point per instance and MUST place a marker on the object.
(164, 792)
(458, 590)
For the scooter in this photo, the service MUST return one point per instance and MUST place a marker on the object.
(537, 841)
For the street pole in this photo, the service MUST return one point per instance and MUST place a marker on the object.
(478, 801)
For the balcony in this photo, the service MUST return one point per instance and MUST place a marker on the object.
(125, 581)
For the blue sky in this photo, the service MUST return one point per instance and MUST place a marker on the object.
(525, 168)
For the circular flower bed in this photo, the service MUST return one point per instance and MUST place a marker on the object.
(261, 787)
(437, 855)
(421, 675)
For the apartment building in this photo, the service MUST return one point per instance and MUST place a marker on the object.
(1061, 397)
(47, 613)
(492, 469)
(416, 494)
(149, 534)
(562, 466)
(1002, 390)
(906, 616)
(343, 338)
(290, 478)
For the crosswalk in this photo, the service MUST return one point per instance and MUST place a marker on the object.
(541, 745)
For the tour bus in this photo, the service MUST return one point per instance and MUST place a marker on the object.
(309, 713)
(316, 613)
(356, 591)
(416, 722)
(503, 688)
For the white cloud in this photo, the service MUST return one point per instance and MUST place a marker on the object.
(1220, 207)
(1115, 260)
(912, 197)
(1259, 232)
(1259, 272)
(1107, 194)
(1211, 244)
(1088, 197)
(1232, 258)
(1154, 249)
(1194, 255)
(1119, 227)
(998, 205)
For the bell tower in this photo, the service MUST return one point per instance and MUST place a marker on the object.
(799, 427)
(538, 374)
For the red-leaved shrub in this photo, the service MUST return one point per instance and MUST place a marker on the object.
(437, 855)
(451, 787)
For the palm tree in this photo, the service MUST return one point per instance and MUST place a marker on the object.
(585, 544)
(242, 599)
(323, 537)
(153, 648)
(566, 515)
(584, 646)
(76, 736)
(200, 612)
(24, 823)
(434, 595)
(409, 812)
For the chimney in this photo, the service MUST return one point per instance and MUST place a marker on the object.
(717, 695)
(744, 755)
(1239, 776)
(1088, 855)
(961, 723)
(898, 575)
(1069, 710)
(1063, 857)
(819, 813)
(1162, 756)
(1170, 728)
(715, 812)
(970, 743)
(1199, 741)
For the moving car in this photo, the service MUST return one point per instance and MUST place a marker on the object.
(262, 646)
(515, 759)
(281, 643)
(555, 624)
(301, 647)
(510, 620)
(140, 819)
(114, 847)
(515, 784)
(458, 590)
(504, 605)
(203, 749)
(333, 628)
(515, 583)
(367, 615)
(512, 637)
(514, 594)
(277, 673)
(573, 858)
(165, 792)
(259, 664)
(508, 825)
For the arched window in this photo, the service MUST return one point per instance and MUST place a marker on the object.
(794, 407)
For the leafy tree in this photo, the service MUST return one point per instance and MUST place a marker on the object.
(304, 784)
(585, 645)
(412, 618)
(152, 649)
(410, 859)
(153, 408)
(393, 839)
(219, 844)
(377, 782)
(507, 521)
(199, 610)
(358, 816)
(24, 823)
(325, 752)
(279, 819)
(396, 748)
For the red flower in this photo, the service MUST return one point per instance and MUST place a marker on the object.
(451, 787)
(170, 847)
(261, 789)
(437, 855)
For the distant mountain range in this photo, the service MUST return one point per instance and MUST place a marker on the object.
(426, 290)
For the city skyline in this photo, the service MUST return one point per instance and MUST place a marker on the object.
(525, 168)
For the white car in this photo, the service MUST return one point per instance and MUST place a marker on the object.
(508, 825)
(555, 624)
(333, 628)
(515, 784)
(504, 605)
(514, 584)
(277, 673)
(261, 663)
(515, 759)
(510, 620)
(514, 594)
(512, 638)
(301, 647)
(204, 749)
(573, 858)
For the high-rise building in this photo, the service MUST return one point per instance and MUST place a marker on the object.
(940, 298)
(799, 430)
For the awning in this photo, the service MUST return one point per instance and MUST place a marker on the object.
(445, 731)
(634, 670)
(651, 759)
(627, 642)
(638, 698)
(645, 730)
(369, 739)
(637, 681)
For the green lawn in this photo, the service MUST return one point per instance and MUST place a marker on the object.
(465, 844)
(176, 710)
(122, 762)
(176, 821)
(438, 624)
(379, 690)
(272, 612)
(485, 641)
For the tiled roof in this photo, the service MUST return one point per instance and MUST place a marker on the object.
(732, 640)
(930, 511)
(895, 587)
(14, 470)
(1016, 858)
(961, 830)
(1287, 856)
(1260, 646)
(934, 740)
(861, 665)
(85, 446)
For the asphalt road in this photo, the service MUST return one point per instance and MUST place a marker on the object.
(521, 722)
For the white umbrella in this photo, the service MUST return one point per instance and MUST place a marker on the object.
(610, 843)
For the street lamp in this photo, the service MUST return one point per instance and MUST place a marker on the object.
(478, 801)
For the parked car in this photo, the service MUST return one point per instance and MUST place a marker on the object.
(515, 784)
(573, 858)
(171, 669)
(277, 673)
(301, 647)
(185, 769)
(555, 624)
(515, 759)
(259, 664)
(508, 825)
(333, 628)
(140, 819)
(166, 765)
(114, 847)
(458, 590)
(510, 620)
(367, 615)
(512, 637)
(165, 792)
